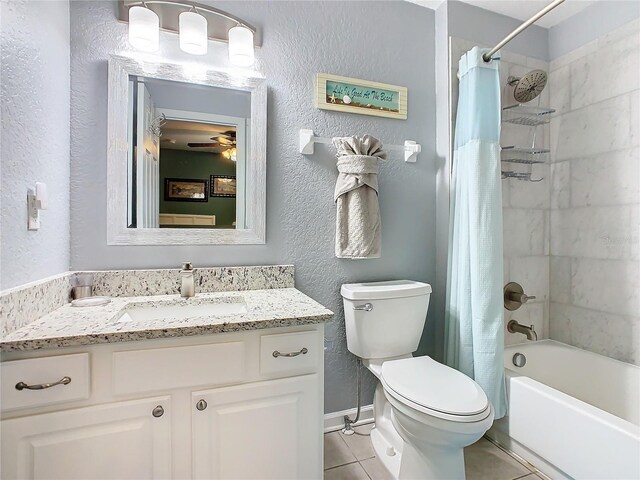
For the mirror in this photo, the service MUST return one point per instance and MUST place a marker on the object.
(186, 156)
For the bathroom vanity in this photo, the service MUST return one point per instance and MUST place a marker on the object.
(217, 386)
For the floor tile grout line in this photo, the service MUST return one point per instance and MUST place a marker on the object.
(343, 465)
(365, 470)
(517, 458)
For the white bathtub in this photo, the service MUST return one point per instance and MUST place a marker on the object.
(572, 413)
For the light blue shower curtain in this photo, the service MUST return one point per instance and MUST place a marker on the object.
(474, 324)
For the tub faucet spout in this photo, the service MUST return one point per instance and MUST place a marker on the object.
(514, 327)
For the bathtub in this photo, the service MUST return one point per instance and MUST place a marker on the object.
(572, 413)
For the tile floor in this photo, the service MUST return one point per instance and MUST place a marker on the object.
(351, 457)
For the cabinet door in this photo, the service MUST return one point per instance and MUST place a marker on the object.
(266, 430)
(121, 440)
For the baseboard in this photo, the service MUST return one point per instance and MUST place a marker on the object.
(335, 420)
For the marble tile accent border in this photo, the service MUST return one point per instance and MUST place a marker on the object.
(133, 283)
(21, 305)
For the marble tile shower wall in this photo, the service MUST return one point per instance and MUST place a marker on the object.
(525, 205)
(595, 196)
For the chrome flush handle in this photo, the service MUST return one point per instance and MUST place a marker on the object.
(367, 307)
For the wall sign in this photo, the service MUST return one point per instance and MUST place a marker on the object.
(360, 96)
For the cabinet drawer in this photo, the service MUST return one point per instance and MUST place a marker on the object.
(42, 371)
(176, 367)
(289, 353)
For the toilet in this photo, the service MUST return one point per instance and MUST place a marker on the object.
(425, 412)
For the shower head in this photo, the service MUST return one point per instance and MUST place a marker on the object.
(529, 86)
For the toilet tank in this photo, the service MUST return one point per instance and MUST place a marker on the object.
(385, 319)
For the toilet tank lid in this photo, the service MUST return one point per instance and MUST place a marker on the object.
(381, 290)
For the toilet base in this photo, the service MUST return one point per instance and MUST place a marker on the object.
(381, 447)
(403, 462)
(440, 464)
(406, 460)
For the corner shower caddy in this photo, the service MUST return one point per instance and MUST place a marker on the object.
(530, 116)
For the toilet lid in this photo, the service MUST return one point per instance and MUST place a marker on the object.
(434, 386)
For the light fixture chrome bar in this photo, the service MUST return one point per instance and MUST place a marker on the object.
(487, 56)
(217, 30)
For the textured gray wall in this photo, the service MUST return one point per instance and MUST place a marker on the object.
(34, 137)
(589, 24)
(488, 28)
(389, 42)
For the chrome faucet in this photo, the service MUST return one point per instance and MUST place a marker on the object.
(188, 287)
(514, 327)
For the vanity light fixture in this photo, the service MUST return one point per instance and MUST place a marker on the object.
(241, 46)
(144, 29)
(193, 33)
(196, 25)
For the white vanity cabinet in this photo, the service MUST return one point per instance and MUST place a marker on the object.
(233, 405)
(119, 440)
(255, 431)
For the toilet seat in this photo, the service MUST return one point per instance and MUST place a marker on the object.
(435, 389)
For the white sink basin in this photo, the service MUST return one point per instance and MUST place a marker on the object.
(137, 313)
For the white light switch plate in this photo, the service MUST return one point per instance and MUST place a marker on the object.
(33, 215)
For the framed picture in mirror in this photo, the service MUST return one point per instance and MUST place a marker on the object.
(222, 186)
(185, 190)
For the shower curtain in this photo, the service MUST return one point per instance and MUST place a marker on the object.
(474, 338)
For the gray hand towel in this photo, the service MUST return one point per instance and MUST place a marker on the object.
(358, 226)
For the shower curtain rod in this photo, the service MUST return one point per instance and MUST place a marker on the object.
(487, 56)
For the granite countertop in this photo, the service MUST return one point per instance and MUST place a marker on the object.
(71, 326)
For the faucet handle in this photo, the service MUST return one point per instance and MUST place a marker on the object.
(514, 296)
(187, 266)
(520, 297)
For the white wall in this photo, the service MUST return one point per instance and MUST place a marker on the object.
(589, 24)
(34, 137)
(595, 195)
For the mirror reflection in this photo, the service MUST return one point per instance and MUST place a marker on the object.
(187, 161)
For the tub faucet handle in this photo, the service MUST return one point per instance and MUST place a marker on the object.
(521, 297)
(514, 296)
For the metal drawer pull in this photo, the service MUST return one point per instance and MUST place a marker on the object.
(42, 386)
(277, 354)
(367, 307)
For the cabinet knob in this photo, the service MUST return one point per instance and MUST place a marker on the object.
(158, 411)
(201, 405)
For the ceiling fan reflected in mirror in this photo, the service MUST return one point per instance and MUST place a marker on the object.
(225, 140)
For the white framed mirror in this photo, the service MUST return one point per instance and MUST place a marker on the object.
(186, 156)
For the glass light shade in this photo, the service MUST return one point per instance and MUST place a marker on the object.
(144, 29)
(193, 33)
(231, 154)
(241, 46)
